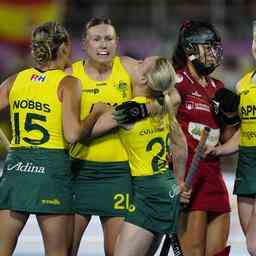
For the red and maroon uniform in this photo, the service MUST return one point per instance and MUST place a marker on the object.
(209, 190)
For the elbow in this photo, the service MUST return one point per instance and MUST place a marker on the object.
(76, 132)
(72, 138)
(72, 135)
(76, 136)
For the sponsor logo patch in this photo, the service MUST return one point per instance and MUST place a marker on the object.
(93, 90)
(26, 167)
(101, 84)
(196, 94)
(38, 78)
(195, 130)
(54, 201)
(174, 191)
(122, 87)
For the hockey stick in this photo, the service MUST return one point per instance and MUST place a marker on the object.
(197, 157)
(172, 239)
(4, 140)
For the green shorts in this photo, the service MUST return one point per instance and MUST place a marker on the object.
(156, 203)
(37, 181)
(101, 189)
(245, 182)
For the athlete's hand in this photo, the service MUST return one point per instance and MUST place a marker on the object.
(212, 151)
(130, 112)
(185, 194)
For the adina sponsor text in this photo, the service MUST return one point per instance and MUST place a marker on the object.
(26, 167)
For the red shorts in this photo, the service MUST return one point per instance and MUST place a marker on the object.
(209, 192)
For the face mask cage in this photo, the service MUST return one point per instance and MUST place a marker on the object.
(193, 36)
(212, 54)
(215, 51)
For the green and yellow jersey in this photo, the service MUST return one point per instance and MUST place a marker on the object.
(113, 91)
(247, 110)
(36, 113)
(147, 143)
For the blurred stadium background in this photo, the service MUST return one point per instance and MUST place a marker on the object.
(145, 27)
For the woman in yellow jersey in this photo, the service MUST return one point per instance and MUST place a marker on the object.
(45, 116)
(244, 141)
(102, 179)
(154, 188)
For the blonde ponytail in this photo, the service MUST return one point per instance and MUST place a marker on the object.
(162, 76)
(169, 108)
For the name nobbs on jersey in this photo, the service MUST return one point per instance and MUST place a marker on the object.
(30, 104)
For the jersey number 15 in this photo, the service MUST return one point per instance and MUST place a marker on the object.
(31, 125)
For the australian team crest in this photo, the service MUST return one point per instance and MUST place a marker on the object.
(122, 87)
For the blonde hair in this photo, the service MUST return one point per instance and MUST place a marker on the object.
(46, 40)
(162, 78)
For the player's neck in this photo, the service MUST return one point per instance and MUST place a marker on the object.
(99, 67)
(51, 66)
(98, 71)
(199, 78)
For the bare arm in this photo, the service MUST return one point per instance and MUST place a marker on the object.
(227, 132)
(177, 137)
(230, 137)
(228, 148)
(5, 88)
(130, 66)
(231, 146)
(104, 124)
(70, 95)
(4, 140)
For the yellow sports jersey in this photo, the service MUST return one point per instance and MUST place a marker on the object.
(36, 113)
(146, 144)
(247, 110)
(113, 91)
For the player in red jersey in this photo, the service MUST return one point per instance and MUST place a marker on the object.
(198, 53)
